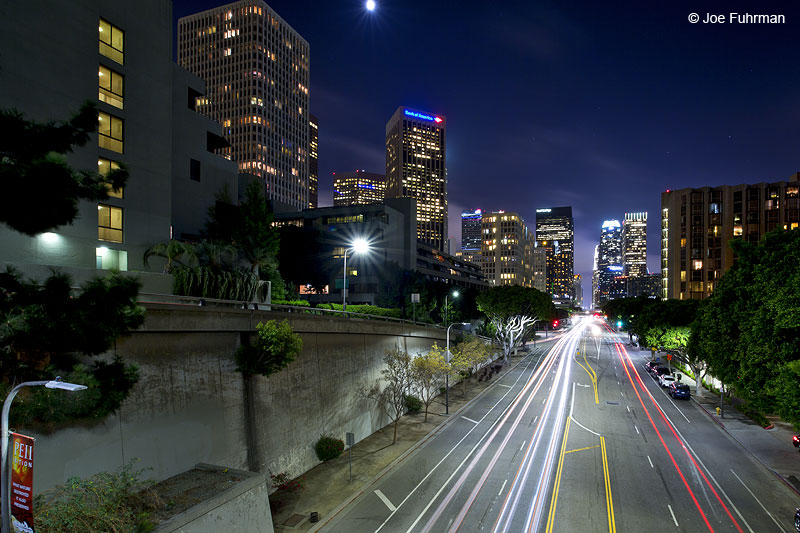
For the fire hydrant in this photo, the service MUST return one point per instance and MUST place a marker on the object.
(718, 411)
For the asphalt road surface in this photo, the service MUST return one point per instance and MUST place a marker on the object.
(577, 437)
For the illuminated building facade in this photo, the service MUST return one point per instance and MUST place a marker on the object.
(539, 268)
(634, 244)
(471, 235)
(313, 162)
(506, 250)
(608, 261)
(358, 188)
(697, 224)
(577, 290)
(256, 70)
(555, 233)
(416, 168)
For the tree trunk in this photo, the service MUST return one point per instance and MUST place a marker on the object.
(396, 422)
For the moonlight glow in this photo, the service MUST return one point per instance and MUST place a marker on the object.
(370, 5)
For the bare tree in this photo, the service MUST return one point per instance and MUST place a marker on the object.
(397, 381)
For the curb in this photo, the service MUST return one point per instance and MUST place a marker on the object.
(749, 452)
(405, 455)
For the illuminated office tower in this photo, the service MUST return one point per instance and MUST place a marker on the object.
(609, 260)
(471, 235)
(506, 249)
(539, 260)
(358, 188)
(634, 244)
(555, 233)
(256, 70)
(313, 162)
(416, 168)
(577, 290)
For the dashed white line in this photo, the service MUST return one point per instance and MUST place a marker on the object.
(385, 500)
(469, 420)
(522, 445)
(637, 429)
(502, 385)
(501, 488)
(649, 461)
(629, 408)
(673, 515)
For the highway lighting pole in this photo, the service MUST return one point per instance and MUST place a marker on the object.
(447, 375)
(358, 246)
(4, 434)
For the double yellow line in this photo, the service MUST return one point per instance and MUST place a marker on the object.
(589, 370)
(612, 526)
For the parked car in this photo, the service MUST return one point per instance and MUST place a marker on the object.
(797, 519)
(660, 371)
(796, 441)
(679, 390)
(665, 380)
(651, 365)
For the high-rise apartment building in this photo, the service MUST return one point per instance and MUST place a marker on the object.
(506, 250)
(634, 244)
(256, 69)
(358, 188)
(609, 260)
(416, 167)
(697, 224)
(313, 162)
(555, 233)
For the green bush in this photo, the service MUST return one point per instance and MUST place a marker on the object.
(103, 502)
(274, 347)
(364, 309)
(205, 282)
(328, 448)
(413, 404)
(296, 303)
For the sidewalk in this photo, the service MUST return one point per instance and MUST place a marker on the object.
(328, 485)
(771, 447)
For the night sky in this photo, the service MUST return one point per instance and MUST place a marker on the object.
(595, 105)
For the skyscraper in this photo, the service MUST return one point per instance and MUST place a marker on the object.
(609, 260)
(634, 244)
(256, 69)
(416, 167)
(506, 250)
(471, 235)
(313, 162)
(555, 233)
(358, 188)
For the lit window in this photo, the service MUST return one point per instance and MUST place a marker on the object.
(110, 129)
(111, 41)
(110, 83)
(104, 166)
(109, 223)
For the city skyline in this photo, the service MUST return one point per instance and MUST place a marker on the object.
(599, 108)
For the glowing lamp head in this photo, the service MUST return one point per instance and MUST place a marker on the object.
(370, 5)
(360, 246)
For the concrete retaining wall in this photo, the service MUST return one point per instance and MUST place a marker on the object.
(188, 406)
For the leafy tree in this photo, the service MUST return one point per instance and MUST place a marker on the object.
(398, 380)
(35, 152)
(255, 237)
(173, 251)
(428, 374)
(275, 346)
(749, 330)
(468, 356)
(43, 326)
(512, 310)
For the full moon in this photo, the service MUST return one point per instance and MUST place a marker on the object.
(370, 5)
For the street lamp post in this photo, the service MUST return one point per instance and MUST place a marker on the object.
(447, 375)
(446, 312)
(5, 480)
(358, 246)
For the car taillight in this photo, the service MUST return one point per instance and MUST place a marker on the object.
(796, 439)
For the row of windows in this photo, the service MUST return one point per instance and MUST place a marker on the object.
(110, 128)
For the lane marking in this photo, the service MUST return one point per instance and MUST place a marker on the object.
(584, 427)
(523, 445)
(504, 486)
(637, 429)
(502, 385)
(583, 449)
(650, 461)
(612, 524)
(469, 420)
(385, 500)
(557, 484)
(629, 408)
(673, 515)
(759, 503)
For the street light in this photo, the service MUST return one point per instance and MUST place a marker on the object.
(447, 375)
(446, 313)
(5, 480)
(359, 246)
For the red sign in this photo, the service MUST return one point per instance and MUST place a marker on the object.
(669, 357)
(21, 483)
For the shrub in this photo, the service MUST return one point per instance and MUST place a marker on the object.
(274, 347)
(364, 309)
(103, 502)
(282, 482)
(413, 404)
(296, 303)
(328, 448)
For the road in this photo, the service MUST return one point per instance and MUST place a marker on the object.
(577, 437)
